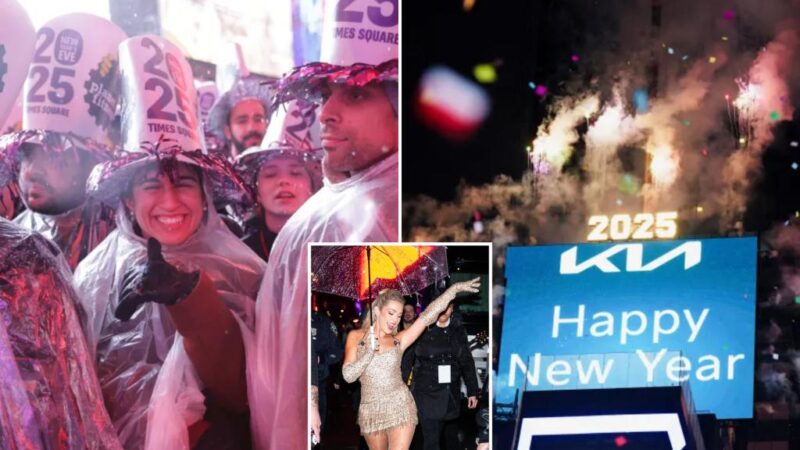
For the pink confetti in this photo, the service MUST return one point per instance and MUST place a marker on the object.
(728, 15)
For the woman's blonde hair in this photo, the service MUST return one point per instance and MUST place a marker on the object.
(384, 297)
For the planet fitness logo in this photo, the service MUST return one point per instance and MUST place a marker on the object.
(3, 66)
(102, 91)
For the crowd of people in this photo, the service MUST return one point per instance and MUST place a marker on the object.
(153, 290)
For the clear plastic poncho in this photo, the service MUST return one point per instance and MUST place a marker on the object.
(145, 375)
(76, 232)
(49, 396)
(363, 208)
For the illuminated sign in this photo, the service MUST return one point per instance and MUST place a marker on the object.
(632, 314)
(642, 226)
(611, 423)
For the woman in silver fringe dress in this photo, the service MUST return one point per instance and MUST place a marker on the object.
(387, 414)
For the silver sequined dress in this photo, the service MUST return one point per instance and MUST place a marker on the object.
(386, 402)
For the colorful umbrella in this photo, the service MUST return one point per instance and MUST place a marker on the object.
(361, 272)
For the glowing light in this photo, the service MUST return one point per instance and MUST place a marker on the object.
(712, 59)
(554, 139)
(793, 144)
(724, 38)
(795, 165)
(389, 262)
(699, 209)
(485, 73)
(748, 95)
(468, 4)
(671, 51)
(664, 166)
(619, 423)
(40, 11)
(742, 140)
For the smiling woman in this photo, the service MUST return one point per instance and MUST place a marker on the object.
(169, 295)
(168, 207)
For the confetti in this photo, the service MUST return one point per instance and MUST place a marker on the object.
(685, 57)
(704, 152)
(532, 85)
(775, 115)
(450, 103)
(742, 140)
(575, 58)
(686, 123)
(795, 165)
(699, 209)
(671, 51)
(485, 73)
(541, 90)
(640, 100)
(620, 441)
(793, 144)
(629, 184)
(724, 38)
(619, 202)
(775, 356)
(728, 15)
(712, 59)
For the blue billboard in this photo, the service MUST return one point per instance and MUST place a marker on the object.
(632, 314)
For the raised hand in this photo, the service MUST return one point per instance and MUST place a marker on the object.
(154, 280)
(472, 286)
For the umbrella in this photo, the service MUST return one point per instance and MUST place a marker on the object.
(361, 272)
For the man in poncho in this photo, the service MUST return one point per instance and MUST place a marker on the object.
(358, 203)
(65, 131)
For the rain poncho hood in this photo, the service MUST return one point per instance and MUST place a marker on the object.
(363, 208)
(144, 372)
(49, 396)
(77, 231)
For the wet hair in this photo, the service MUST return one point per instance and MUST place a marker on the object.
(384, 297)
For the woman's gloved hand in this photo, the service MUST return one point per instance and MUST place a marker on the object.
(155, 280)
